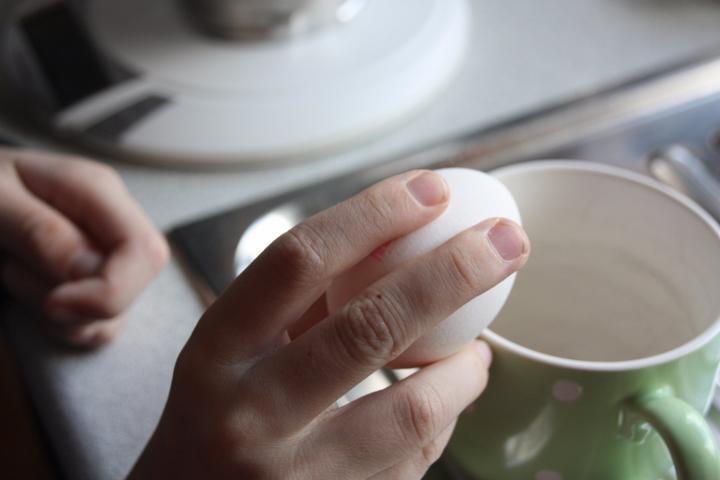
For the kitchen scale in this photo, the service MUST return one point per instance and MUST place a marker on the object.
(141, 79)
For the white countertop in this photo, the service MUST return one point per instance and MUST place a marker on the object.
(100, 408)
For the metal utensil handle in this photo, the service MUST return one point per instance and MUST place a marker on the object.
(679, 167)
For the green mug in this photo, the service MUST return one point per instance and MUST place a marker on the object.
(607, 351)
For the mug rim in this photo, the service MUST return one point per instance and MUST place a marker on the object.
(616, 172)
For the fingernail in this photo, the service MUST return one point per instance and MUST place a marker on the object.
(428, 188)
(508, 240)
(65, 317)
(485, 353)
(85, 263)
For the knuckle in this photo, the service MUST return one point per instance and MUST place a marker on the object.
(247, 425)
(189, 372)
(228, 440)
(77, 166)
(368, 331)
(40, 231)
(463, 269)
(185, 363)
(157, 248)
(72, 163)
(107, 174)
(110, 309)
(235, 453)
(240, 435)
(111, 303)
(299, 253)
(255, 411)
(378, 205)
(251, 400)
(86, 169)
(419, 413)
(103, 335)
(36, 229)
(90, 167)
(7, 166)
(234, 432)
(90, 336)
(430, 453)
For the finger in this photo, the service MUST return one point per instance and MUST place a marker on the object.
(40, 236)
(395, 424)
(31, 289)
(385, 319)
(95, 198)
(416, 466)
(91, 335)
(292, 273)
(23, 284)
(126, 273)
(89, 193)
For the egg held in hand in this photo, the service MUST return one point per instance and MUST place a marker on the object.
(474, 197)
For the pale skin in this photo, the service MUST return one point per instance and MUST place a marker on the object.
(74, 245)
(254, 389)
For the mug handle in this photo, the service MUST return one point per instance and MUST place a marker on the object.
(685, 431)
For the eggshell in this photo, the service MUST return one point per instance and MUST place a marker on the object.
(474, 197)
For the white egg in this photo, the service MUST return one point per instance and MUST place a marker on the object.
(474, 197)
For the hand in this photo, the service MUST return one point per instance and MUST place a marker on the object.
(250, 400)
(74, 243)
